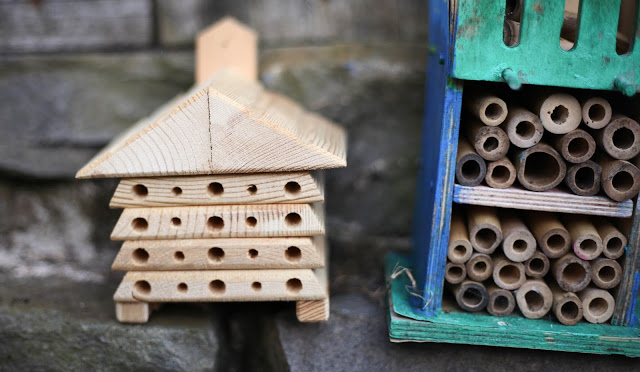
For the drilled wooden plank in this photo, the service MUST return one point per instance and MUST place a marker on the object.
(549, 201)
(256, 188)
(220, 286)
(224, 221)
(217, 254)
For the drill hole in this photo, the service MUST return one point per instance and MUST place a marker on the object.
(217, 287)
(215, 189)
(183, 287)
(293, 254)
(176, 191)
(140, 256)
(142, 287)
(175, 222)
(294, 285)
(215, 223)
(140, 191)
(215, 254)
(292, 188)
(253, 254)
(293, 219)
(178, 256)
(256, 286)
(251, 221)
(139, 224)
(252, 189)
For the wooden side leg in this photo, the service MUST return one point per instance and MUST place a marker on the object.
(313, 311)
(132, 312)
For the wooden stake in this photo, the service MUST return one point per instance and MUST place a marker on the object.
(537, 266)
(596, 112)
(491, 143)
(479, 267)
(470, 167)
(312, 311)
(597, 305)
(571, 273)
(620, 138)
(567, 306)
(576, 146)
(460, 249)
(540, 167)
(507, 274)
(534, 299)
(471, 296)
(501, 174)
(485, 231)
(586, 241)
(552, 237)
(490, 109)
(523, 127)
(501, 302)
(584, 179)
(518, 244)
(605, 273)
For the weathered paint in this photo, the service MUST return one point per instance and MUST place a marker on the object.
(480, 53)
(405, 323)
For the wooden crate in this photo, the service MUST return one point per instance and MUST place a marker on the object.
(466, 44)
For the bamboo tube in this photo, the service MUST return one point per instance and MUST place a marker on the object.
(586, 241)
(471, 296)
(491, 143)
(460, 249)
(537, 266)
(491, 110)
(500, 174)
(571, 273)
(540, 167)
(523, 127)
(470, 167)
(576, 146)
(596, 112)
(485, 231)
(597, 304)
(518, 244)
(511, 33)
(501, 302)
(507, 274)
(606, 273)
(584, 179)
(559, 113)
(479, 267)
(613, 241)
(620, 138)
(455, 273)
(620, 179)
(552, 237)
(534, 299)
(567, 306)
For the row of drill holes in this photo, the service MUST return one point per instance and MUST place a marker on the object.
(217, 286)
(140, 256)
(216, 223)
(216, 189)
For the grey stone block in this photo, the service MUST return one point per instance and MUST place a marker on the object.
(294, 22)
(58, 111)
(54, 25)
(56, 324)
(356, 339)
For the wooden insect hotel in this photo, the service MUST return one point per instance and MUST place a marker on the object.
(222, 191)
(526, 231)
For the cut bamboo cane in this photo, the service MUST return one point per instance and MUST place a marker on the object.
(606, 273)
(485, 231)
(567, 306)
(534, 299)
(518, 244)
(501, 302)
(613, 241)
(501, 174)
(523, 127)
(620, 179)
(576, 146)
(552, 237)
(584, 179)
(479, 267)
(537, 266)
(540, 167)
(507, 274)
(586, 241)
(571, 273)
(460, 249)
(620, 138)
(455, 273)
(471, 296)
(470, 167)
(597, 305)
(491, 143)
(560, 113)
(596, 112)
(491, 110)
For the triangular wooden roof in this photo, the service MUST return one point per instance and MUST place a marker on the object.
(228, 124)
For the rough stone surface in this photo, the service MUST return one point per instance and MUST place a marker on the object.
(54, 25)
(356, 339)
(63, 325)
(57, 111)
(295, 22)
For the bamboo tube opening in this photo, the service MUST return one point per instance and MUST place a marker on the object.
(525, 130)
(597, 112)
(614, 247)
(460, 251)
(494, 111)
(598, 306)
(490, 144)
(501, 303)
(486, 238)
(541, 169)
(578, 147)
(623, 138)
(607, 274)
(574, 274)
(510, 274)
(570, 311)
(534, 301)
(500, 174)
(480, 267)
(556, 243)
(470, 169)
(455, 273)
(622, 181)
(536, 265)
(472, 297)
(585, 178)
(520, 246)
(588, 246)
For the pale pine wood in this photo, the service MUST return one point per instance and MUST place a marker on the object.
(256, 188)
(309, 311)
(228, 124)
(198, 222)
(226, 44)
(549, 201)
(200, 286)
(132, 312)
(205, 254)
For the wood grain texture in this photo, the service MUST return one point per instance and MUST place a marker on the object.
(219, 286)
(311, 311)
(227, 124)
(217, 254)
(226, 44)
(549, 201)
(223, 221)
(132, 312)
(256, 188)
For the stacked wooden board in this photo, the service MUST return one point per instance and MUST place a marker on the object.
(222, 193)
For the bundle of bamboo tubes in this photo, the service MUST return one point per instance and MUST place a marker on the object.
(548, 139)
(500, 259)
